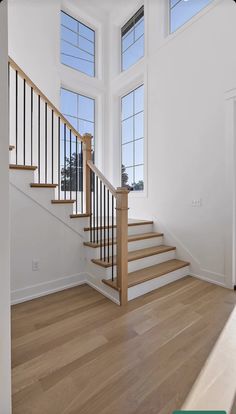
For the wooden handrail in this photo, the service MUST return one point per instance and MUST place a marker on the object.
(102, 178)
(39, 92)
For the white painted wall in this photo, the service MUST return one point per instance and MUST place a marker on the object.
(5, 345)
(44, 236)
(186, 76)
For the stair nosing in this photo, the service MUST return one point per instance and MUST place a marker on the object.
(135, 237)
(130, 285)
(22, 167)
(141, 223)
(142, 256)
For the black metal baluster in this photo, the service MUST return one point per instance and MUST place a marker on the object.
(16, 117)
(46, 142)
(81, 177)
(91, 214)
(31, 123)
(76, 172)
(70, 170)
(97, 206)
(39, 137)
(94, 207)
(24, 91)
(108, 222)
(64, 161)
(112, 238)
(52, 146)
(104, 223)
(100, 220)
(59, 158)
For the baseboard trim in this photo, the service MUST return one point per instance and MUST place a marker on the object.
(209, 280)
(103, 290)
(47, 288)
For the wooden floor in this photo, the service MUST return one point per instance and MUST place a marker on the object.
(77, 352)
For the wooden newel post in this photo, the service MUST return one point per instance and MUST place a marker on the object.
(87, 156)
(122, 243)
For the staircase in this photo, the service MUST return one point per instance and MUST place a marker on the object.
(52, 162)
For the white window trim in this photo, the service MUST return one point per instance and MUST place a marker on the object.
(189, 22)
(125, 91)
(124, 21)
(97, 43)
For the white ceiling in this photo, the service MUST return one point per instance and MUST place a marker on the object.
(109, 5)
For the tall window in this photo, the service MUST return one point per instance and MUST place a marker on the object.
(183, 10)
(132, 123)
(77, 45)
(132, 40)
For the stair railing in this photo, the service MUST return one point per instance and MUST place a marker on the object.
(109, 227)
(43, 139)
(41, 136)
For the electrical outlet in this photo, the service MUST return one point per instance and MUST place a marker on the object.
(197, 203)
(35, 265)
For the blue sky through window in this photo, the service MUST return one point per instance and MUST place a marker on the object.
(80, 112)
(77, 45)
(132, 127)
(183, 10)
(132, 40)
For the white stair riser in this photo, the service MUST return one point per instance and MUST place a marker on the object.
(21, 178)
(94, 253)
(105, 273)
(150, 261)
(143, 288)
(146, 228)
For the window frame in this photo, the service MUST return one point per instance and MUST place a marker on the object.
(191, 20)
(90, 27)
(126, 92)
(122, 70)
(94, 111)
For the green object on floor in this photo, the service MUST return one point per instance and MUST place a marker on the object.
(199, 412)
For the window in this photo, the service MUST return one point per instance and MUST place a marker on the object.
(183, 10)
(132, 137)
(132, 40)
(77, 45)
(80, 112)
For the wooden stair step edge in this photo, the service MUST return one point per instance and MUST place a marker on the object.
(136, 255)
(80, 215)
(22, 167)
(39, 185)
(130, 224)
(63, 201)
(131, 238)
(149, 273)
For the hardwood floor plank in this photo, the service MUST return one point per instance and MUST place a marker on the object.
(77, 352)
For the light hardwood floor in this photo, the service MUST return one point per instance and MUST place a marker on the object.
(77, 352)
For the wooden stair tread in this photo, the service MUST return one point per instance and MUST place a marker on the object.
(11, 147)
(63, 201)
(72, 216)
(131, 238)
(137, 254)
(22, 167)
(38, 185)
(149, 273)
(131, 223)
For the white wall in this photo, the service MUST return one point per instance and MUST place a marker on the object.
(5, 345)
(43, 236)
(186, 76)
